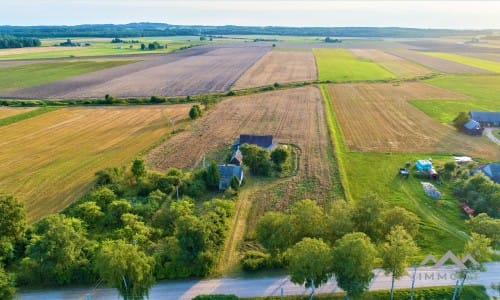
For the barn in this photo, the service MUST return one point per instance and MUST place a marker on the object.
(472, 127)
(263, 141)
(492, 171)
(486, 118)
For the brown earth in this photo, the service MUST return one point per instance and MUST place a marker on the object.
(279, 66)
(293, 116)
(11, 111)
(49, 161)
(394, 64)
(198, 70)
(436, 63)
(378, 118)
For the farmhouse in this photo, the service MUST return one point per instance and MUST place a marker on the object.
(227, 172)
(473, 127)
(492, 171)
(236, 158)
(263, 141)
(486, 118)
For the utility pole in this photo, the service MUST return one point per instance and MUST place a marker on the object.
(413, 282)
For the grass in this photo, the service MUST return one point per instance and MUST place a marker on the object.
(441, 228)
(484, 90)
(104, 47)
(61, 150)
(26, 115)
(489, 65)
(40, 73)
(340, 65)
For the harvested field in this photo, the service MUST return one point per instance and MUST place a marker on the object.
(196, 71)
(292, 116)
(279, 66)
(378, 118)
(487, 56)
(11, 111)
(394, 64)
(441, 65)
(4, 52)
(61, 150)
(484, 64)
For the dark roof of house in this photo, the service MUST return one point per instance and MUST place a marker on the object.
(472, 124)
(492, 171)
(237, 156)
(485, 116)
(263, 141)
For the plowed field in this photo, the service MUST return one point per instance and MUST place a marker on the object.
(49, 161)
(394, 64)
(279, 66)
(378, 118)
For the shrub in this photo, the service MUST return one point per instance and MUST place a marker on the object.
(255, 260)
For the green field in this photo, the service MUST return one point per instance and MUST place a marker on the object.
(340, 65)
(489, 65)
(104, 47)
(441, 228)
(484, 90)
(40, 73)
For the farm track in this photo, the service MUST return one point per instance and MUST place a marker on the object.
(439, 64)
(199, 70)
(378, 118)
(62, 150)
(279, 66)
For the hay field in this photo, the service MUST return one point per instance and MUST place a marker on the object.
(489, 65)
(292, 116)
(394, 64)
(339, 65)
(199, 70)
(11, 111)
(378, 118)
(61, 150)
(436, 63)
(279, 66)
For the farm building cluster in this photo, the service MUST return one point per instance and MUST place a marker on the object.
(480, 120)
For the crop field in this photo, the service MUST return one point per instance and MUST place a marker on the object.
(279, 66)
(483, 89)
(436, 63)
(30, 75)
(394, 64)
(486, 56)
(61, 150)
(293, 116)
(339, 65)
(378, 118)
(195, 71)
(467, 60)
(11, 111)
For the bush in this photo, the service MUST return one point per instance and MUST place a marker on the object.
(255, 260)
(195, 112)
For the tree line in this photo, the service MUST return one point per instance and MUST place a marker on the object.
(7, 41)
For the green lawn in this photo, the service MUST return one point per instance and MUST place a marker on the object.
(442, 226)
(37, 74)
(484, 64)
(340, 65)
(484, 90)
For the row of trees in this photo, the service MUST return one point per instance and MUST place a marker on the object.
(7, 41)
(135, 227)
(153, 46)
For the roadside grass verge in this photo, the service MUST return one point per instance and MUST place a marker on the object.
(442, 226)
(340, 65)
(36, 74)
(485, 64)
(484, 89)
(26, 115)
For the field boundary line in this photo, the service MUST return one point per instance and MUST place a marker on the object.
(27, 115)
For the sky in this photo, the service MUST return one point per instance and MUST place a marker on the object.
(330, 13)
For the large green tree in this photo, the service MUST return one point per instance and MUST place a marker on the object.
(7, 287)
(353, 261)
(338, 221)
(125, 267)
(310, 263)
(396, 254)
(398, 216)
(12, 224)
(307, 220)
(368, 215)
(273, 232)
(486, 225)
(213, 175)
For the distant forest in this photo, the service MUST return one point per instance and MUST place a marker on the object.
(7, 41)
(161, 29)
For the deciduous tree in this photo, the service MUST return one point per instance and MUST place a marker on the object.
(12, 224)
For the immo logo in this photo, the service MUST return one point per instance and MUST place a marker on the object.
(449, 256)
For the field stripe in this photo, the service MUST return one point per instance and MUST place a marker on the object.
(26, 115)
(484, 64)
